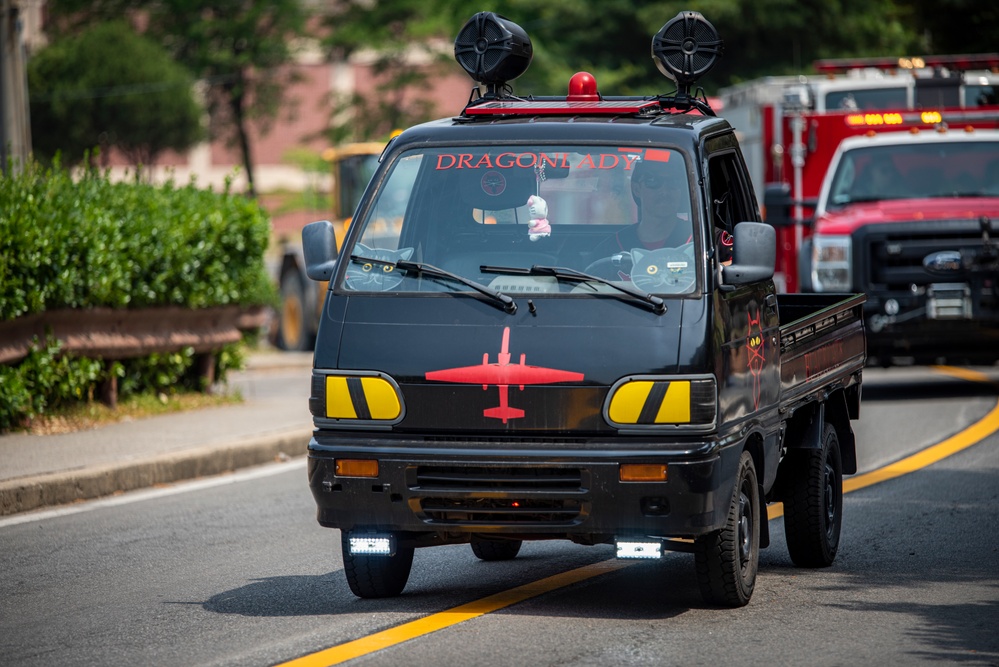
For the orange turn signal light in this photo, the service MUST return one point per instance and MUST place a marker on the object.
(643, 472)
(356, 468)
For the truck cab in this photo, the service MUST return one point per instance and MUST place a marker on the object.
(555, 318)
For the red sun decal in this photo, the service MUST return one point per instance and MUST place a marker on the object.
(493, 183)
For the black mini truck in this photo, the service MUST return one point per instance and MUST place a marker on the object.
(507, 353)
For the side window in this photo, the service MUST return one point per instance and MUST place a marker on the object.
(389, 209)
(729, 200)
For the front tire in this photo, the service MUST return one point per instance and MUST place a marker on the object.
(813, 502)
(376, 576)
(727, 560)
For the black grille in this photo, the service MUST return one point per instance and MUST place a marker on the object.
(894, 254)
(499, 495)
(479, 479)
(507, 511)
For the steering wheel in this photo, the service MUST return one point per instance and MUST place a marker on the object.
(611, 267)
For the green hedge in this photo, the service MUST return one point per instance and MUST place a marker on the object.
(89, 242)
(46, 380)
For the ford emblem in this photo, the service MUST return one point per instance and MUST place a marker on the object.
(945, 261)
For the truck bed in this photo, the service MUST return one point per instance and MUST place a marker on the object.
(822, 344)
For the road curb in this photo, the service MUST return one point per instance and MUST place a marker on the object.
(30, 493)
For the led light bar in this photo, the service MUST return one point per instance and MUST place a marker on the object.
(650, 550)
(372, 545)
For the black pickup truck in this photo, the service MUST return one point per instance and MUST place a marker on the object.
(554, 318)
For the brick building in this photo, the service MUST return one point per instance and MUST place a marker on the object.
(319, 83)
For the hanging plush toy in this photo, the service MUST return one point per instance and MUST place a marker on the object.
(538, 225)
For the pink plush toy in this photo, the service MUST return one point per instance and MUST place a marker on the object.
(538, 225)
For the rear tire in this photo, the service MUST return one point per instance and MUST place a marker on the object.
(813, 502)
(490, 549)
(293, 325)
(727, 560)
(376, 576)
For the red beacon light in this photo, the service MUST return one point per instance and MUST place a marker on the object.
(583, 88)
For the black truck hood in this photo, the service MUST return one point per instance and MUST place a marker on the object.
(463, 364)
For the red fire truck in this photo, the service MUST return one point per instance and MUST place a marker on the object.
(790, 127)
(911, 219)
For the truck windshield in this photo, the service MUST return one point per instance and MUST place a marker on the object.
(917, 170)
(867, 99)
(621, 213)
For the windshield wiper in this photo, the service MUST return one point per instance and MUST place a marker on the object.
(656, 304)
(505, 301)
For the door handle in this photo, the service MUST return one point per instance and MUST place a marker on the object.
(771, 301)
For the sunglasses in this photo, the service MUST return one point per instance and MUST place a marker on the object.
(651, 181)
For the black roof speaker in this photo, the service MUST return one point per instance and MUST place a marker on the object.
(686, 48)
(493, 49)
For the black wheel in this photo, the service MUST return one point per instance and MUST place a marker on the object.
(727, 560)
(495, 549)
(813, 502)
(293, 328)
(376, 576)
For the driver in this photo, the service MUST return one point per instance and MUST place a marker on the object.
(659, 188)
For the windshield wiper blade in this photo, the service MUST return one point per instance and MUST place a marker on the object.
(655, 303)
(505, 301)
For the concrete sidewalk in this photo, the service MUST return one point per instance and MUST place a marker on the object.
(271, 424)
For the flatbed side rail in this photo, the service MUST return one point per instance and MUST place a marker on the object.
(823, 347)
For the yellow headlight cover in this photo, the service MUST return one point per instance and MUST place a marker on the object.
(361, 397)
(654, 401)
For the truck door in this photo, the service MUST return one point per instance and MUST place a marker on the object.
(748, 373)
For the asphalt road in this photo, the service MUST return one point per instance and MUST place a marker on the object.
(235, 571)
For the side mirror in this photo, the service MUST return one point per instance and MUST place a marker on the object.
(777, 204)
(754, 254)
(319, 246)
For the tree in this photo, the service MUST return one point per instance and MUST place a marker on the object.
(109, 87)
(397, 32)
(613, 39)
(237, 47)
(955, 26)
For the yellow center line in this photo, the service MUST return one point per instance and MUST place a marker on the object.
(444, 619)
(975, 433)
(336, 655)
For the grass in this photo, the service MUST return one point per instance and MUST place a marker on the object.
(86, 416)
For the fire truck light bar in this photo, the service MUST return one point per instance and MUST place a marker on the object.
(988, 61)
(888, 119)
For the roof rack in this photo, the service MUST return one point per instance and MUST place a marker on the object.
(494, 51)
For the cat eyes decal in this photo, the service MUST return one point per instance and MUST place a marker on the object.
(364, 277)
(662, 271)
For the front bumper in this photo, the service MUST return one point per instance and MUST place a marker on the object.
(528, 492)
(948, 321)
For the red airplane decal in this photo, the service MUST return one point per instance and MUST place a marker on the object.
(503, 374)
